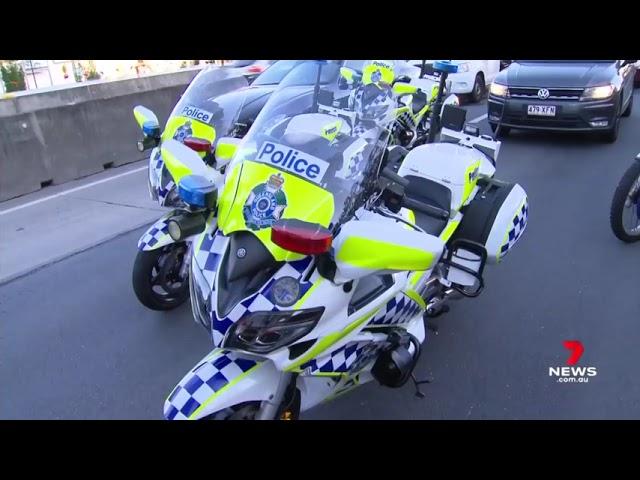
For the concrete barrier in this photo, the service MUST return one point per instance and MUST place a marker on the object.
(58, 135)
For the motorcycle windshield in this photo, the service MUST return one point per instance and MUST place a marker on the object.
(199, 113)
(311, 153)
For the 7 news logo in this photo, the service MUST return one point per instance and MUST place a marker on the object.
(573, 373)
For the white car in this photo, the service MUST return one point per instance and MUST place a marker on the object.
(472, 77)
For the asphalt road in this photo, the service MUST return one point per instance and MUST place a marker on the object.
(75, 343)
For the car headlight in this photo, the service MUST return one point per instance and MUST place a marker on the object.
(498, 90)
(264, 332)
(463, 67)
(597, 93)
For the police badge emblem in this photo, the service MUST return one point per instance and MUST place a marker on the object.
(265, 204)
(183, 132)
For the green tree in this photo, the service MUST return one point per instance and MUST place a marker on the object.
(12, 76)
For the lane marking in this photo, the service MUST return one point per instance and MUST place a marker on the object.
(477, 119)
(66, 192)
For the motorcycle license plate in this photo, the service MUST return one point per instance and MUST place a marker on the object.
(542, 110)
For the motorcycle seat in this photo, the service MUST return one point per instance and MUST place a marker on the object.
(419, 101)
(431, 193)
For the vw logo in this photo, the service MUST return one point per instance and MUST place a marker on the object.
(241, 253)
(543, 94)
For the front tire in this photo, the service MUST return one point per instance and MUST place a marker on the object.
(629, 109)
(627, 204)
(479, 88)
(156, 280)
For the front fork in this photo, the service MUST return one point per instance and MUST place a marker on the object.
(186, 261)
(272, 408)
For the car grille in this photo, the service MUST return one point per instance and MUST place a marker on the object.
(555, 94)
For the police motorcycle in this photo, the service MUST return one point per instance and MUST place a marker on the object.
(315, 268)
(625, 205)
(207, 127)
(416, 99)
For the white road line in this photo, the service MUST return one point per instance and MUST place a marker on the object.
(66, 192)
(477, 119)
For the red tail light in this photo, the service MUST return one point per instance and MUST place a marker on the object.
(301, 237)
(255, 69)
(198, 144)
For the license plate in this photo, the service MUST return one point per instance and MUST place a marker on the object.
(542, 110)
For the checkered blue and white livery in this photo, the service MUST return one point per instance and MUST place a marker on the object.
(208, 378)
(158, 233)
(208, 258)
(209, 253)
(399, 309)
(340, 360)
(519, 223)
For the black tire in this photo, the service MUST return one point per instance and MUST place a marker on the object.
(618, 204)
(611, 135)
(479, 88)
(153, 279)
(627, 111)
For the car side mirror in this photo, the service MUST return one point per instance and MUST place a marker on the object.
(627, 62)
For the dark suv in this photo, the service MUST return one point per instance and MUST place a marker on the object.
(576, 95)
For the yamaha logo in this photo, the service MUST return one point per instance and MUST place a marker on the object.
(241, 253)
(543, 94)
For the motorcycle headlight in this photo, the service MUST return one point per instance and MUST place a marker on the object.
(264, 332)
(597, 93)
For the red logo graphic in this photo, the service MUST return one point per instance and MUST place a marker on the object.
(576, 348)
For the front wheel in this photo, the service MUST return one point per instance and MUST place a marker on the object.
(156, 277)
(625, 207)
(629, 109)
(479, 88)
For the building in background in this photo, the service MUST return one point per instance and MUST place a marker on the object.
(41, 74)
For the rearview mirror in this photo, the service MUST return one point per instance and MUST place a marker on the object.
(225, 150)
(362, 247)
(348, 78)
(144, 115)
(404, 89)
(181, 161)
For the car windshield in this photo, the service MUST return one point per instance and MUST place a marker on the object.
(276, 72)
(329, 137)
(199, 100)
(307, 74)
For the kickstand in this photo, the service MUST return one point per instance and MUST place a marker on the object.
(417, 384)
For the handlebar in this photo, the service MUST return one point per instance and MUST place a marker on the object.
(422, 207)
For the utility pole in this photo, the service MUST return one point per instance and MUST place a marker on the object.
(33, 73)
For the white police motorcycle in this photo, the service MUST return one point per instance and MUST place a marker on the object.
(198, 121)
(316, 262)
